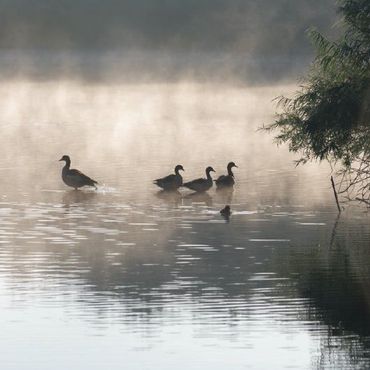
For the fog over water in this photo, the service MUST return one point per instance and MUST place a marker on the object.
(137, 131)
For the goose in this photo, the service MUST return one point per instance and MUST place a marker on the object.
(201, 184)
(226, 213)
(75, 178)
(227, 180)
(171, 182)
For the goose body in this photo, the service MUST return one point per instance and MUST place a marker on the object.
(226, 180)
(75, 178)
(201, 184)
(171, 182)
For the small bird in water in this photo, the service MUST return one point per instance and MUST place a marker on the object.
(201, 184)
(226, 212)
(171, 182)
(227, 180)
(75, 178)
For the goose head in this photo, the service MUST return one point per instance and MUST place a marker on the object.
(209, 169)
(179, 168)
(231, 165)
(66, 159)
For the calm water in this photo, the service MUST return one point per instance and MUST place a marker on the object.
(130, 277)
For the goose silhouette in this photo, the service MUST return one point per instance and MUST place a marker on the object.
(75, 178)
(171, 182)
(226, 180)
(201, 184)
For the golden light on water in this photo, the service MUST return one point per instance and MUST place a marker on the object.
(147, 128)
(156, 275)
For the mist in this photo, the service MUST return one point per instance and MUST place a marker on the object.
(134, 73)
(130, 41)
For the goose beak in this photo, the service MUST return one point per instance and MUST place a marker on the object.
(61, 159)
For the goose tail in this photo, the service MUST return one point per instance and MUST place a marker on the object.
(92, 183)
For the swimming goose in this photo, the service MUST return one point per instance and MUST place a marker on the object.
(171, 182)
(75, 178)
(201, 184)
(226, 213)
(227, 180)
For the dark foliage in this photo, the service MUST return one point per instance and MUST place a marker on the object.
(329, 118)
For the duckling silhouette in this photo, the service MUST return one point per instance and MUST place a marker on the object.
(75, 178)
(171, 182)
(226, 212)
(226, 180)
(201, 184)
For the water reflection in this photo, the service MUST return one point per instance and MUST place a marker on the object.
(78, 196)
(267, 267)
(198, 198)
(170, 197)
(225, 195)
(148, 277)
(337, 284)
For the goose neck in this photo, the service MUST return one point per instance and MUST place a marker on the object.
(68, 164)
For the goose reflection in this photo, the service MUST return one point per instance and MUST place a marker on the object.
(75, 197)
(170, 196)
(199, 198)
(225, 194)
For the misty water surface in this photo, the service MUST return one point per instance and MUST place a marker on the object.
(130, 277)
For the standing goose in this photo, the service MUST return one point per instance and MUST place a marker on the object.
(227, 180)
(75, 178)
(201, 184)
(171, 182)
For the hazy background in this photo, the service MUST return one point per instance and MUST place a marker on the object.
(249, 41)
